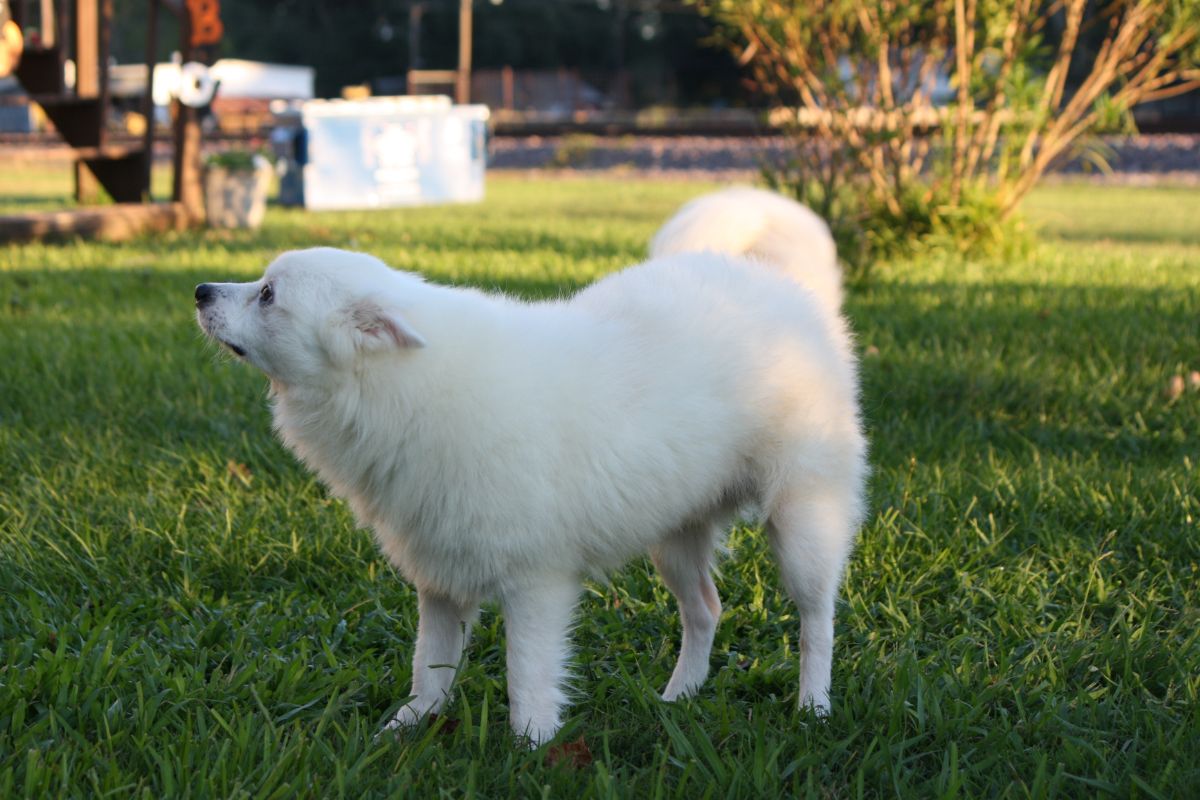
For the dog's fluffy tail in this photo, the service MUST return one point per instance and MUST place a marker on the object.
(761, 225)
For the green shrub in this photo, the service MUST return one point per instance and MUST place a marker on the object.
(897, 168)
(573, 151)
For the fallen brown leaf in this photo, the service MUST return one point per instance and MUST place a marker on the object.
(239, 471)
(575, 755)
(449, 724)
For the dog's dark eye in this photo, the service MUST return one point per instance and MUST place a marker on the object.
(266, 295)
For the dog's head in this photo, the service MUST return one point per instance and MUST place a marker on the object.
(312, 313)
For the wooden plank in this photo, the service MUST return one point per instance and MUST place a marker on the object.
(424, 77)
(87, 48)
(114, 223)
(462, 89)
(111, 151)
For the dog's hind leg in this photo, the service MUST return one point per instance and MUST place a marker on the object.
(811, 532)
(537, 616)
(442, 633)
(685, 563)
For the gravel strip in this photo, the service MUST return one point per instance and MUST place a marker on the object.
(1161, 158)
(1168, 157)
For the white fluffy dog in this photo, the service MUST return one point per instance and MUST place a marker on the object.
(761, 225)
(506, 450)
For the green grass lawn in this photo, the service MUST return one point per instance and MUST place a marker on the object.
(186, 612)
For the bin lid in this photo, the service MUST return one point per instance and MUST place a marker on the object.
(378, 106)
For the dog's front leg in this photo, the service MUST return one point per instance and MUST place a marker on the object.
(537, 617)
(442, 632)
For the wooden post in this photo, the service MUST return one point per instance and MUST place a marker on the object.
(186, 188)
(621, 94)
(103, 48)
(87, 46)
(415, 12)
(189, 190)
(48, 23)
(148, 101)
(87, 188)
(87, 84)
(462, 93)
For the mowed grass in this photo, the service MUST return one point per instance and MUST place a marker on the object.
(187, 613)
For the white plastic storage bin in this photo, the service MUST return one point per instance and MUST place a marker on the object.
(393, 151)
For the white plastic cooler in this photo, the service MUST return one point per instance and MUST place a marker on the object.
(393, 151)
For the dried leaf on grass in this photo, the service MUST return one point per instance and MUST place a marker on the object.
(574, 754)
(239, 471)
(449, 724)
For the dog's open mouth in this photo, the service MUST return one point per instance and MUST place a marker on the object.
(239, 351)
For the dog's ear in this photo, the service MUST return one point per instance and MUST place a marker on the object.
(376, 328)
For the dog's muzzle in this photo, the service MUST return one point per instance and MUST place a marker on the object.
(205, 294)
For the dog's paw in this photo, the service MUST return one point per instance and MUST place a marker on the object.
(817, 703)
(407, 717)
(678, 690)
(534, 735)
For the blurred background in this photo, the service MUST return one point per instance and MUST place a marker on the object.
(879, 115)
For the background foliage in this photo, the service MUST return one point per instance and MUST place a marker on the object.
(916, 123)
(661, 44)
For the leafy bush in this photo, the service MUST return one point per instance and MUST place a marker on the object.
(925, 220)
(923, 125)
(573, 151)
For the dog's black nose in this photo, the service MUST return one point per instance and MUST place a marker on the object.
(204, 294)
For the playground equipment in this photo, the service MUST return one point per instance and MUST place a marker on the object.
(77, 102)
